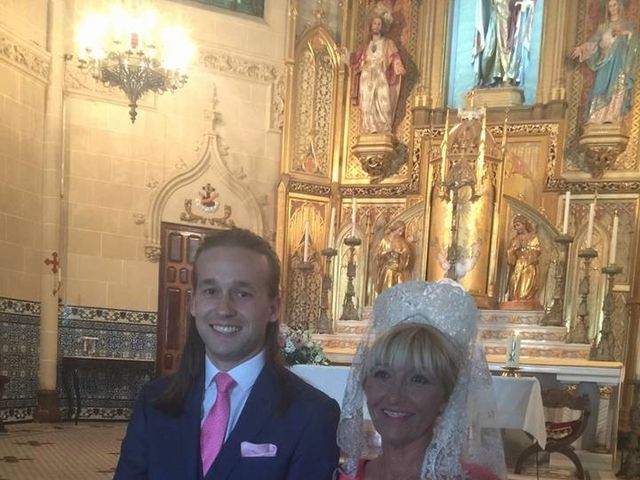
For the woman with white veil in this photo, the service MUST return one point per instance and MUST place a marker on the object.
(428, 390)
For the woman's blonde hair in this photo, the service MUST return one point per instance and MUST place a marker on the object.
(419, 346)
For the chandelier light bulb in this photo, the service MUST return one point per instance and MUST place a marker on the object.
(120, 50)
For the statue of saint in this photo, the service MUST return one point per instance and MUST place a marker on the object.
(523, 255)
(377, 71)
(394, 257)
(502, 41)
(612, 53)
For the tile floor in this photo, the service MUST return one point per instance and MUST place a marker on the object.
(89, 451)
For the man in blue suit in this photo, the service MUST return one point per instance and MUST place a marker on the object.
(274, 426)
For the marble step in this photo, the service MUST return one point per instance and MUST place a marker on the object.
(511, 317)
(520, 317)
(489, 332)
(347, 343)
(541, 349)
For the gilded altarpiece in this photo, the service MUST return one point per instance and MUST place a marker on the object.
(404, 32)
(621, 168)
(315, 82)
(303, 283)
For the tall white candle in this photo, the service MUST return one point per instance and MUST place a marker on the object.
(565, 220)
(305, 256)
(353, 216)
(592, 216)
(331, 240)
(513, 351)
(614, 240)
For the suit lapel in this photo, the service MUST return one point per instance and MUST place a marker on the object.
(190, 428)
(256, 412)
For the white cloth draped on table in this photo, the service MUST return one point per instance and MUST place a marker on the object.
(519, 400)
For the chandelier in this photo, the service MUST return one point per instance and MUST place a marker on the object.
(133, 53)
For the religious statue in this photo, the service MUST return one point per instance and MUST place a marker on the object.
(377, 70)
(502, 41)
(523, 255)
(611, 53)
(394, 257)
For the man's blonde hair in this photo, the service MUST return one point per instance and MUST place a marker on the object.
(419, 346)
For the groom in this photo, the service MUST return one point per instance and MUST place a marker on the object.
(231, 411)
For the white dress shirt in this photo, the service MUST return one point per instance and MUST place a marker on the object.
(245, 376)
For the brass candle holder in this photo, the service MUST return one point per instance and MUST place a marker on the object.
(307, 318)
(349, 311)
(580, 328)
(603, 349)
(554, 317)
(325, 323)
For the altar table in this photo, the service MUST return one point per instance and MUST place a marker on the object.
(519, 400)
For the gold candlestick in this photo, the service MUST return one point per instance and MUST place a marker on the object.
(325, 324)
(555, 316)
(603, 349)
(580, 328)
(349, 311)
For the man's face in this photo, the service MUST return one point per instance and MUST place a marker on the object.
(376, 26)
(231, 304)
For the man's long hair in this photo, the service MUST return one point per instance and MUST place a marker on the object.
(192, 361)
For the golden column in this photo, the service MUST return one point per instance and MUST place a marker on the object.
(463, 206)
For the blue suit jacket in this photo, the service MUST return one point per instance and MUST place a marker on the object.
(159, 446)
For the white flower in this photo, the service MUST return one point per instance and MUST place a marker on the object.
(289, 346)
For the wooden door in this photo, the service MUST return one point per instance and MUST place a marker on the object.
(178, 248)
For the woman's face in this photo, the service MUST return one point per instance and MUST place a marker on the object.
(614, 7)
(403, 404)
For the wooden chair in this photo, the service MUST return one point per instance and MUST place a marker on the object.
(560, 435)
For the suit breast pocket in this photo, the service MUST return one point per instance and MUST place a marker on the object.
(263, 468)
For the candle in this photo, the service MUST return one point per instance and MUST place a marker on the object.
(592, 216)
(513, 351)
(332, 240)
(565, 220)
(504, 131)
(445, 140)
(482, 147)
(353, 216)
(614, 240)
(305, 257)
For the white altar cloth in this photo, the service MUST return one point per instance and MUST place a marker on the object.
(519, 400)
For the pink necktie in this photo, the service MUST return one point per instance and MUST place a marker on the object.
(215, 425)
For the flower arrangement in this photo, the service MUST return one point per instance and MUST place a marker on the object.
(298, 347)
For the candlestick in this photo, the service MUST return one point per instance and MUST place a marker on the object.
(592, 216)
(555, 315)
(349, 311)
(604, 348)
(513, 351)
(325, 323)
(579, 329)
(305, 257)
(614, 240)
(353, 216)
(332, 232)
(565, 220)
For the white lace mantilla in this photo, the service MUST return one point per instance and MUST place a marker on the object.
(466, 431)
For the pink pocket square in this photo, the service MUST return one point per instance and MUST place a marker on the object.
(248, 449)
